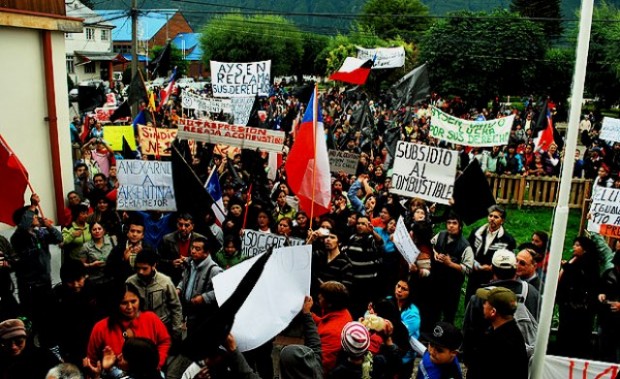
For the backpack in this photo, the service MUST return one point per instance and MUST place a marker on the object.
(526, 322)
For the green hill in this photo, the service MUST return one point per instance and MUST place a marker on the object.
(336, 15)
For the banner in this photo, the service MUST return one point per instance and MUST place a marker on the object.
(241, 109)
(240, 79)
(103, 115)
(343, 161)
(156, 140)
(110, 100)
(286, 275)
(208, 105)
(610, 131)
(254, 242)
(145, 186)
(384, 57)
(605, 211)
(113, 136)
(403, 242)
(470, 133)
(245, 137)
(566, 368)
(424, 171)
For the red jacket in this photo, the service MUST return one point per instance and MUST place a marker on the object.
(146, 325)
(329, 327)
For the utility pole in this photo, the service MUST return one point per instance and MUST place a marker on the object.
(134, 48)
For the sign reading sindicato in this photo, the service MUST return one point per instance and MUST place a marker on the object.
(424, 171)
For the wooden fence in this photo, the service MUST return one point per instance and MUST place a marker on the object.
(536, 191)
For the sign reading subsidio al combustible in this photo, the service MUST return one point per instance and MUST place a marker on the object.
(470, 133)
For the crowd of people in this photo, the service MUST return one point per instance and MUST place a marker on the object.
(134, 285)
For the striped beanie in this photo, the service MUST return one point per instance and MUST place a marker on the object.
(355, 339)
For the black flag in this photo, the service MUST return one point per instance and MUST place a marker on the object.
(472, 194)
(123, 111)
(90, 97)
(161, 64)
(191, 196)
(127, 153)
(137, 90)
(412, 87)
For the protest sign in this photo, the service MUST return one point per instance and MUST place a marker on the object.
(245, 137)
(208, 105)
(384, 57)
(605, 211)
(110, 100)
(103, 115)
(403, 242)
(565, 367)
(113, 136)
(241, 109)
(145, 185)
(155, 141)
(226, 151)
(286, 275)
(470, 133)
(610, 131)
(343, 161)
(240, 79)
(424, 171)
(254, 242)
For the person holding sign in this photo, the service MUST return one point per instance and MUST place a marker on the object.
(453, 261)
(485, 241)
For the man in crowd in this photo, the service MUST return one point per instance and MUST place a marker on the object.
(120, 263)
(526, 267)
(175, 247)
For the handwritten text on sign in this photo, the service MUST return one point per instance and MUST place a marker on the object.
(244, 137)
(610, 131)
(470, 133)
(404, 243)
(208, 105)
(566, 368)
(605, 211)
(384, 57)
(343, 161)
(145, 185)
(255, 242)
(240, 79)
(424, 171)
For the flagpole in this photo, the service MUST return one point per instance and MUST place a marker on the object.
(561, 215)
(21, 169)
(315, 110)
(208, 180)
(248, 200)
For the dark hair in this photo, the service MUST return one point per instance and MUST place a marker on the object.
(147, 255)
(137, 221)
(91, 224)
(71, 270)
(544, 237)
(586, 244)
(142, 358)
(99, 174)
(80, 165)
(234, 239)
(335, 294)
(75, 211)
(453, 216)
(504, 273)
(185, 216)
(205, 242)
(117, 294)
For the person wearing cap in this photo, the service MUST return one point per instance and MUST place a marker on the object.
(19, 357)
(501, 350)
(504, 269)
(440, 360)
(453, 261)
(355, 341)
(485, 241)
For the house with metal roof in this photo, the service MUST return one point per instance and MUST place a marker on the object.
(89, 54)
(189, 44)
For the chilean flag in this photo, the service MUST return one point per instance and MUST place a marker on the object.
(15, 181)
(545, 136)
(307, 164)
(213, 188)
(353, 70)
(164, 94)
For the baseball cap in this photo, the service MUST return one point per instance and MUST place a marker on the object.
(500, 298)
(504, 259)
(445, 335)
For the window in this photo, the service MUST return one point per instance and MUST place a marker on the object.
(70, 65)
(90, 34)
(89, 68)
(68, 35)
(105, 34)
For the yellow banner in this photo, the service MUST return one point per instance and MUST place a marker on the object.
(113, 135)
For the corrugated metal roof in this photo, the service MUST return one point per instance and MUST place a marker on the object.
(195, 55)
(150, 21)
(75, 8)
(141, 58)
(191, 40)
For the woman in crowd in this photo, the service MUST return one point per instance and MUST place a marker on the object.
(300, 229)
(284, 227)
(75, 237)
(551, 159)
(97, 251)
(106, 215)
(230, 254)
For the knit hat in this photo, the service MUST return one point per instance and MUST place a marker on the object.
(12, 328)
(300, 362)
(500, 298)
(504, 259)
(355, 339)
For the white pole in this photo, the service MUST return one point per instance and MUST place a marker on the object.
(561, 214)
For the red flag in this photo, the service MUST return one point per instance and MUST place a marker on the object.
(85, 129)
(164, 94)
(353, 70)
(545, 136)
(14, 179)
(307, 164)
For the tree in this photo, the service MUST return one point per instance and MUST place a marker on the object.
(548, 9)
(237, 38)
(393, 18)
(313, 44)
(480, 55)
(176, 60)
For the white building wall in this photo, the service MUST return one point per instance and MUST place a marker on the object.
(23, 110)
